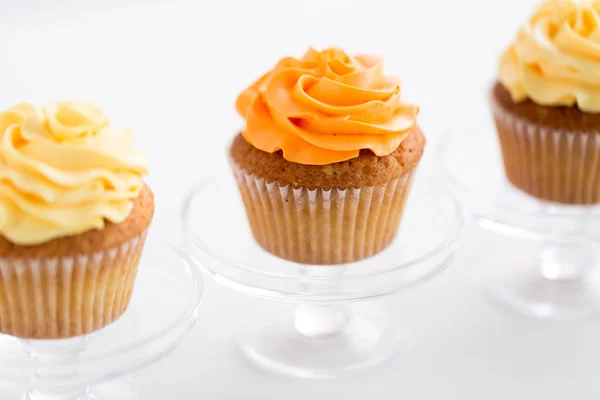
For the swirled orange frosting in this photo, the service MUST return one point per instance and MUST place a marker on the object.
(326, 107)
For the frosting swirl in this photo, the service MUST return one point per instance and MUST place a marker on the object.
(326, 107)
(63, 171)
(555, 59)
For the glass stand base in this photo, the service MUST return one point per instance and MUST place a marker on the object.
(525, 290)
(120, 389)
(115, 390)
(290, 347)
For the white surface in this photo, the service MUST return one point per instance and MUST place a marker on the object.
(172, 70)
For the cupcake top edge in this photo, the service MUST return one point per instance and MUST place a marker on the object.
(64, 171)
(366, 170)
(555, 58)
(325, 108)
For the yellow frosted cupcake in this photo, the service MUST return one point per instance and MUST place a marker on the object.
(74, 212)
(546, 104)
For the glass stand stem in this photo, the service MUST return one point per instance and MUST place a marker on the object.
(320, 321)
(49, 383)
(565, 262)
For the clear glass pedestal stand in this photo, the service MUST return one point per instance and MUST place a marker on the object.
(326, 333)
(563, 283)
(163, 309)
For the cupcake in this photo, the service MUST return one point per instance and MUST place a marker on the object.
(74, 213)
(546, 104)
(326, 158)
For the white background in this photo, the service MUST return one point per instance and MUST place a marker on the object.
(172, 70)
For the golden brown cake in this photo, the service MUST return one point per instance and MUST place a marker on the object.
(75, 217)
(325, 162)
(547, 104)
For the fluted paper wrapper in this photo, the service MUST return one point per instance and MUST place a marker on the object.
(322, 227)
(554, 165)
(62, 297)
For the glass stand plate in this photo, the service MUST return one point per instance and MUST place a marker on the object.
(323, 336)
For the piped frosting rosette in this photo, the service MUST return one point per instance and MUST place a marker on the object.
(555, 59)
(64, 171)
(325, 108)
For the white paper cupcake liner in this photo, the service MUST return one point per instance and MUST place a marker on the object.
(322, 227)
(62, 297)
(554, 165)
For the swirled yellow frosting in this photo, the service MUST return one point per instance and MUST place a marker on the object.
(64, 171)
(555, 59)
(326, 107)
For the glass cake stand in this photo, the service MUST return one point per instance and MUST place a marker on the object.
(324, 335)
(163, 309)
(563, 281)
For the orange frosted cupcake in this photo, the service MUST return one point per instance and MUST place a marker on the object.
(74, 212)
(547, 104)
(327, 156)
